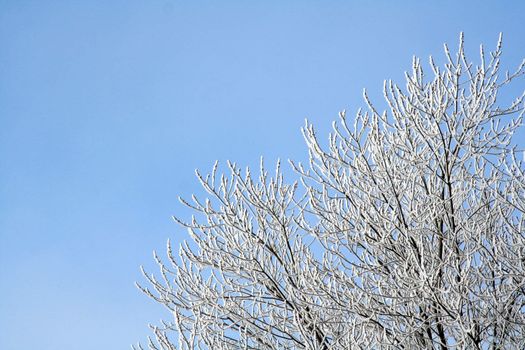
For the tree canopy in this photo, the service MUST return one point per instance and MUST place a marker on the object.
(406, 231)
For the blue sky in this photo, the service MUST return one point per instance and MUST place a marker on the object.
(107, 107)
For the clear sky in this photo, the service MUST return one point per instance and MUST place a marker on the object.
(107, 107)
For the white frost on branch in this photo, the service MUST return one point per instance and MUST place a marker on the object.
(407, 231)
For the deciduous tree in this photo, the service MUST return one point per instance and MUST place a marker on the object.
(406, 231)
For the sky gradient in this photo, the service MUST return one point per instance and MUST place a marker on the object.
(107, 107)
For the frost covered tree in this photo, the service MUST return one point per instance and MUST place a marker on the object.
(406, 231)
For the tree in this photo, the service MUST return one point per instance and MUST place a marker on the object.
(406, 231)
